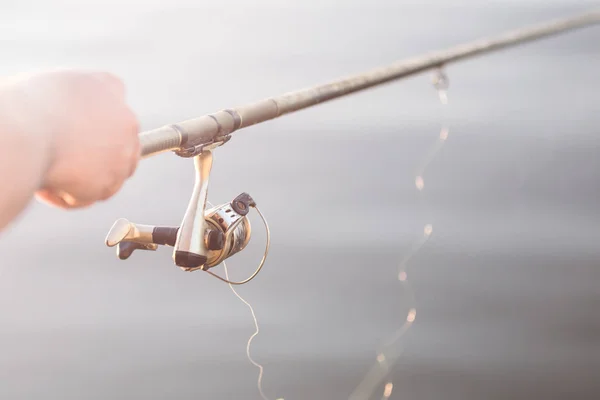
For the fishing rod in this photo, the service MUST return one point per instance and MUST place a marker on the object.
(206, 237)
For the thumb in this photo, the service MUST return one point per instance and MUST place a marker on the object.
(60, 199)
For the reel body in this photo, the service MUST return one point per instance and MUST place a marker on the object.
(232, 226)
(204, 239)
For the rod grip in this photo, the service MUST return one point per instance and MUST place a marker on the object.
(159, 140)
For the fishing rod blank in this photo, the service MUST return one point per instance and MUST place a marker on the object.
(189, 138)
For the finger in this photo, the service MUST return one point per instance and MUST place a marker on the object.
(134, 150)
(111, 190)
(134, 158)
(60, 200)
(48, 197)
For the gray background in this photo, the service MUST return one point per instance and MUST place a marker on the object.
(507, 287)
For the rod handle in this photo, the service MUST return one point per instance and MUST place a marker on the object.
(159, 140)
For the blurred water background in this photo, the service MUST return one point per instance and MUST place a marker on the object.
(507, 287)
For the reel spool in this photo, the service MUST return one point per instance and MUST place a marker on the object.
(205, 238)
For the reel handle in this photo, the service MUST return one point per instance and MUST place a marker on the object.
(129, 237)
(124, 249)
(125, 231)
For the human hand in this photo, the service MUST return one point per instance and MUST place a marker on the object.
(92, 134)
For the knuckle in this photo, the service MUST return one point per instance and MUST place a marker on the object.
(110, 78)
(111, 82)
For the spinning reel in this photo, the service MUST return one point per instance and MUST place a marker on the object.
(205, 238)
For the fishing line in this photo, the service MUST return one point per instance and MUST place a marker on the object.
(440, 83)
(249, 343)
(389, 351)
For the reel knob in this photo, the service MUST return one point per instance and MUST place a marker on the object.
(118, 232)
(125, 249)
